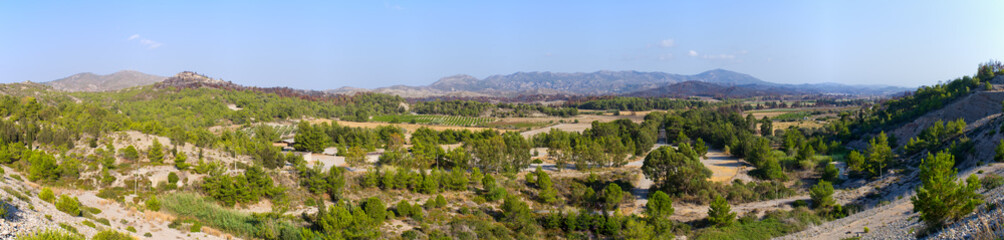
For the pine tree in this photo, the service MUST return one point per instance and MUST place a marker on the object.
(156, 152)
(822, 195)
(720, 213)
(612, 196)
(940, 197)
(1000, 152)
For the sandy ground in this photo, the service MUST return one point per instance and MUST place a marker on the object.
(567, 127)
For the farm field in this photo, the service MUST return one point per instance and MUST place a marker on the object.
(435, 120)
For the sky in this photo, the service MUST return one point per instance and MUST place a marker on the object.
(330, 44)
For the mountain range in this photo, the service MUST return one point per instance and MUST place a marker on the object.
(714, 83)
(718, 82)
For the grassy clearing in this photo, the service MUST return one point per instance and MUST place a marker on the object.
(206, 211)
(435, 119)
(773, 225)
(792, 116)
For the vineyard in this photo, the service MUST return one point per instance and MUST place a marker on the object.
(435, 120)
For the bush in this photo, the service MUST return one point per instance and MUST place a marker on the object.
(47, 195)
(69, 205)
(112, 235)
(196, 227)
(50, 234)
(172, 178)
(153, 204)
(991, 181)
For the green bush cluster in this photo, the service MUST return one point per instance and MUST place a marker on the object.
(249, 187)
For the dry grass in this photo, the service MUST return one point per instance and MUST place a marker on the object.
(151, 216)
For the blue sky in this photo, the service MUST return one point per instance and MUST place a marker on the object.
(329, 44)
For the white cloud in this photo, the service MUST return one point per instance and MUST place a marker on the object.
(151, 44)
(667, 43)
(720, 56)
(692, 53)
(392, 6)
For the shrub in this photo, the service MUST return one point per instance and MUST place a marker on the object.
(90, 224)
(822, 195)
(991, 181)
(69, 205)
(153, 204)
(206, 211)
(50, 234)
(196, 227)
(68, 227)
(129, 153)
(131, 229)
(172, 178)
(112, 235)
(47, 195)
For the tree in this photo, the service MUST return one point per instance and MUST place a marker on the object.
(547, 192)
(822, 195)
(375, 209)
(612, 196)
(129, 153)
(879, 154)
(720, 213)
(700, 147)
(180, 161)
(682, 138)
(830, 172)
(806, 153)
(675, 171)
(940, 197)
(156, 152)
(855, 161)
(310, 138)
(1000, 152)
(518, 216)
(659, 207)
(355, 156)
(766, 126)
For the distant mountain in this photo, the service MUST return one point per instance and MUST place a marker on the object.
(713, 90)
(619, 83)
(90, 82)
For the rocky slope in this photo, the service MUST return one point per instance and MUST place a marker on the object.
(90, 82)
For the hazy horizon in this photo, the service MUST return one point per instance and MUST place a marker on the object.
(323, 45)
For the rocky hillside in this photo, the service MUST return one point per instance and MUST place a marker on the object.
(90, 82)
